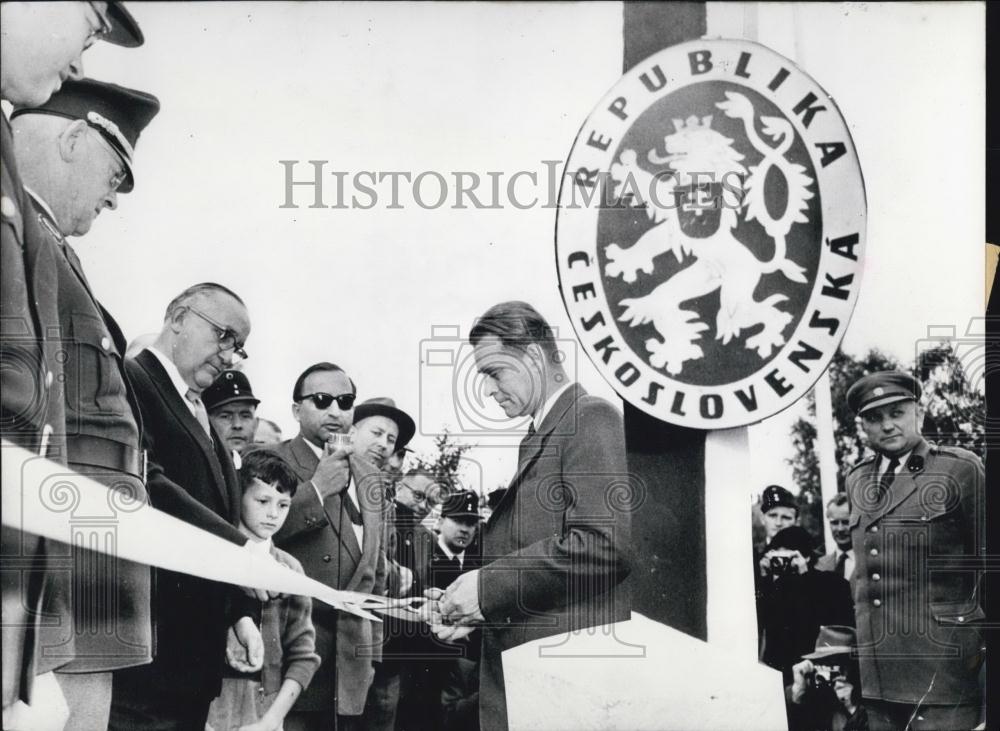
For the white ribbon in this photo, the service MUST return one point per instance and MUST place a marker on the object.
(49, 499)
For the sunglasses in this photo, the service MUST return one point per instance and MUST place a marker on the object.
(323, 400)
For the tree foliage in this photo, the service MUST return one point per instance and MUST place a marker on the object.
(446, 463)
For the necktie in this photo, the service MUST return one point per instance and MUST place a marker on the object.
(522, 450)
(352, 509)
(842, 565)
(885, 482)
(199, 411)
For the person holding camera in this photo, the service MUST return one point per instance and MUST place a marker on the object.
(825, 694)
(796, 600)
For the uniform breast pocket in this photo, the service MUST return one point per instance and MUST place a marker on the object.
(94, 381)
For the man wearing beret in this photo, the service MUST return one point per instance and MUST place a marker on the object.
(380, 429)
(779, 510)
(42, 47)
(75, 153)
(917, 529)
(232, 409)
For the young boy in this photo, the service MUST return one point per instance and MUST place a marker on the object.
(259, 702)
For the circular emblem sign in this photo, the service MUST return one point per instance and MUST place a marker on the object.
(710, 233)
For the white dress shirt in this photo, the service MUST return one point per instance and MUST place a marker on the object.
(175, 378)
(547, 406)
(449, 554)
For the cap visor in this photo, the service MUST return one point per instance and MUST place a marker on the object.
(891, 399)
(124, 30)
(827, 652)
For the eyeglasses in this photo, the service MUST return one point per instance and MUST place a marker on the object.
(323, 400)
(227, 337)
(418, 495)
(103, 26)
(116, 171)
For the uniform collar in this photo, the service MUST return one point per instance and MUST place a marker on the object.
(52, 223)
(447, 551)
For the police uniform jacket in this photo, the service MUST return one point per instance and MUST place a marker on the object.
(555, 548)
(190, 476)
(321, 536)
(916, 597)
(35, 575)
(102, 441)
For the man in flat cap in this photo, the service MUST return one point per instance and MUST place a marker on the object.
(379, 430)
(232, 409)
(917, 526)
(75, 153)
(42, 45)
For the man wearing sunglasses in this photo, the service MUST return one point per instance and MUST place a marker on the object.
(74, 152)
(334, 529)
(42, 47)
(190, 475)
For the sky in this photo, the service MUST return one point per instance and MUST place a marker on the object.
(480, 88)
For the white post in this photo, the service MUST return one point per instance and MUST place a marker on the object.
(731, 612)
(825, 450)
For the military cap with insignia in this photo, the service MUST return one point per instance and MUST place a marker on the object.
(387, 407)
(118, 113)
(227, 388)
(881, 388)
(775, 496)
(461, 504)
(124, 31)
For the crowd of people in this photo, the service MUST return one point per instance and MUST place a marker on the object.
(885, 630)
(172, 422)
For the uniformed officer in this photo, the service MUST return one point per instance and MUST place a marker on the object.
(232, 409)
(76, 154)
(917, 530)
(32, 65)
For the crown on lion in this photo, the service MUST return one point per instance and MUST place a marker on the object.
(692, 123)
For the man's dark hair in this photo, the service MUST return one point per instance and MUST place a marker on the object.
(317, 368)
(516, 324)
(267, 466)
(839, 500)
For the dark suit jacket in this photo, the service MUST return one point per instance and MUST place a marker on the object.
(828, 562)
(36, 572)
(329, 553)
(555, 549)
(918, 554)
(193, 479)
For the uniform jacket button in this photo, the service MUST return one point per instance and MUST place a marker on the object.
(877, 603)
(106, 343)
(874, 552)
(961, 619)
(874, 529)
(876, 577)
(327, 558)
(923, 517)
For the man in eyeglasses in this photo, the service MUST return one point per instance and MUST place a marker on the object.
(190, 475)
(334, 529)
(42, 47)
(75, 151)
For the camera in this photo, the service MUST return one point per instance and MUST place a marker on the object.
(782, 566)
(824, 676)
